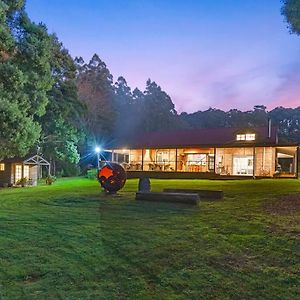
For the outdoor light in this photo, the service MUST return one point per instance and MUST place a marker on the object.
(97, 149)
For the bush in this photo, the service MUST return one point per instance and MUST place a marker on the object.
(22, 181)
(66, 169)
(91, 174)
(50, 179)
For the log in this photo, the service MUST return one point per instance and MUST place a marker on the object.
(187, 198)
(208, 194)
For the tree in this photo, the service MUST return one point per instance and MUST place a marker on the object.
(25, 78)
(258, 116)
(158, 109)
(210, 118)
(214, 118)
(291, 11)
(123, 93)
(96, 91)
(62, 128)
(288, 122)
(125, 109)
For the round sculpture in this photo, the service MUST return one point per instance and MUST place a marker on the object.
(112, 177)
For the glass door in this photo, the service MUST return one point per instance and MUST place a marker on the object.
(243, 165)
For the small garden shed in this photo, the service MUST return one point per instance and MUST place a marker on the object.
(15, 171)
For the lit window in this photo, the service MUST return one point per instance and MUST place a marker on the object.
(162, 156)
(245, 137)
(197, 159)
(2, 167)
(240, 137)
(250, 137)
(26, 172)
(18, 173)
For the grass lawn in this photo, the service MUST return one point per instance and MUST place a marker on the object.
(69, 241)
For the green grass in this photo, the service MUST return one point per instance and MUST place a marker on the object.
(69, 241)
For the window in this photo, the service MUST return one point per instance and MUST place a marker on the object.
(2, 167)
(26, 172)
(18, 173)
(240, 137)
(250, 137)
(245, 137)
(162, 156)
(196, 159)
(211, 162)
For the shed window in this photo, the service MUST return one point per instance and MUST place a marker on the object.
(245, 137)
(2, 167)
(26, 172)
(18, 174)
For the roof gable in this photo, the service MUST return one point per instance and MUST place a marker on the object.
(28, 160)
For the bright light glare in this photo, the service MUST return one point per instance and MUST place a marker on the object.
(98, 149)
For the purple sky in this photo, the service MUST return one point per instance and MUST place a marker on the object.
(203, 53)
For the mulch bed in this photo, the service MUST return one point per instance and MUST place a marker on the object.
(285, 205)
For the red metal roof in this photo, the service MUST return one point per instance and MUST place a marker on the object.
(200, 137)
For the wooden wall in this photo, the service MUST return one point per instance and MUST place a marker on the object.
(33, 174)
(5, 176)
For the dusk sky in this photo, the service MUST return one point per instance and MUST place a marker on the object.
(203, 53)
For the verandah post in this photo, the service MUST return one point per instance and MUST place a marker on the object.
(176, 160)
(215, 160)
(297, 162)
(254, 164)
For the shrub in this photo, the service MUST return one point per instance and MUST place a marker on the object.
(91, 174)
(50, 179)
(22, 181)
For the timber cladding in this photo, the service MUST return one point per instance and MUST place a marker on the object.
(5, 175)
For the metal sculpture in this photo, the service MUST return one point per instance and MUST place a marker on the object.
(112, 177)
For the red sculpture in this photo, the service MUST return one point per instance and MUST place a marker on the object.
(112, 177)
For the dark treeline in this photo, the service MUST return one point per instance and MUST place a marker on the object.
(65, 107)
(115, 111)
(286, 119)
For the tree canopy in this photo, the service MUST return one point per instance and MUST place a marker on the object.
(25, 78)
(62, 124)
(96, 91)
(38, 95)
(291, 11)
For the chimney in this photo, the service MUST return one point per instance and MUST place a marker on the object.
(269, 128)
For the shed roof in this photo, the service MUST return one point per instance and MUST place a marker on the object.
(29, 160)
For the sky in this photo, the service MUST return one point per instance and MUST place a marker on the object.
(203, 53)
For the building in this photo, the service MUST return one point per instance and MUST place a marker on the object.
(14, 170)
(208, 153)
